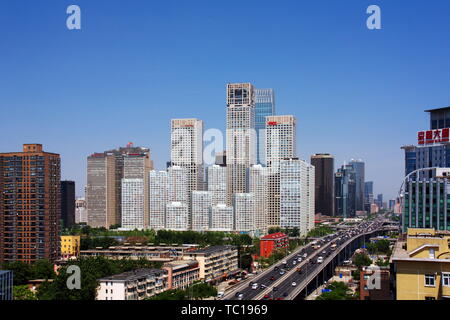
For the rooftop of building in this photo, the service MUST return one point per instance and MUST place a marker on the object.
(178, 264)
(213, 249)
(135, 274)
(274, 236)
(438, 109)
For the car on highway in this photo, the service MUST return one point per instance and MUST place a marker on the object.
(284, 262)
(237, 294)
(299, 259)
(305, 255)
(255, 286)
(294, 284)
(275, 289)
(294, 262)
(272, 278)
(263, 286)
(275, 269)
(285, 294)
(282, 272)
(266, 297)
(220, 294)
(319, 259)
(240, 296)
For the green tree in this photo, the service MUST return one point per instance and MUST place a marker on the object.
(170, 295)
(23, 293)
(43, 269)
(22, 272)
(361, 260)
(339, 291)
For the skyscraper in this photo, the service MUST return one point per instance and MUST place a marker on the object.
(244, 208)
(258, 178)
(280, 144)
(80, 211)
(368, 195)
(222, 218)
(68, 203)
(158, 197)
(201, 210)
(264, 107)
(345, 191)
(297, 195)
(358, 166)
(217, 183)
(177, 216)
(241, 136)
(30, 205)
(324, 183)
(105, 172)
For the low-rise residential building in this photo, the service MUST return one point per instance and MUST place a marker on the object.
(215, 262)
(181, 273)
(133, 285)
(422, 265)
(374, 283)
(6, 285)
(272, 242)
(70, 246)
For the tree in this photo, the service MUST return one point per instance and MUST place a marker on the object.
(361, 260)
(170, 295)
(43, 269)
(201, 290)
(22, 272)
(23, 293)
(339, 291)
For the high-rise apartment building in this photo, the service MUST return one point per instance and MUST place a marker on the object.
(105, 172)
(177, 216)
(186, 150)
(217, 183)
(280, 144)
(80, 211)
(222, 218)
(297, 195)
(359, 168)
(241, 136)
(158, 197)
(30, 205)
(177, 185)
(68, 203)
(135, 196)
(258, 178)
(201, 210)
(345, 191)
(244, 212)
(264, 107)
(324, 183)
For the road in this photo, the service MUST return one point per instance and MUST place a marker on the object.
(271, 284)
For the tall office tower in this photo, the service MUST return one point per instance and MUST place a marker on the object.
(244, 208)
(345, 191)
(241, 136)
(264, 107)
(30, 186)
(222, 218)
(324, 190)
(177, 216)
(135, 196)
(221, 158)
(133, 203)
(258, 178)
(358, 166)
(280, 144)
(177, 185)
(297, 195)
(105, 172)
(379, 201)
(201, 210)
(80, 211)
(158, 189)
(68, 203)
(217, 183)
(368, 195)
(186, 150)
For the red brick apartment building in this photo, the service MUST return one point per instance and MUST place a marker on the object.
(271, 242)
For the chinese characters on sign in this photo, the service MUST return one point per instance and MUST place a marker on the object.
(433, 136)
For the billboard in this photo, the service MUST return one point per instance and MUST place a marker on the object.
(433, 136)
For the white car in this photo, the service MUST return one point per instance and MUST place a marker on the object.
(294, 284)
(319, 260)
(299, 259)
(284, 262)
(305, 255)
(240, 296)
(254, 286)
(294, 262)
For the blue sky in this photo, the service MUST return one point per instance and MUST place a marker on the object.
(136, 64)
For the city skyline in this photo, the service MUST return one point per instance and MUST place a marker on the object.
(96, 95)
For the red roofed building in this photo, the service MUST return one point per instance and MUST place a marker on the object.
(272, 241)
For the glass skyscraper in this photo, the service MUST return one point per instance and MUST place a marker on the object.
(264, 106)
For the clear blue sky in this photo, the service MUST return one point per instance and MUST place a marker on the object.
(136, 64)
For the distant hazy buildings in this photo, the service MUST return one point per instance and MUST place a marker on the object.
(359, 169)
(324, 183)
(345, 191)
(368, 195)
(80, 211)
